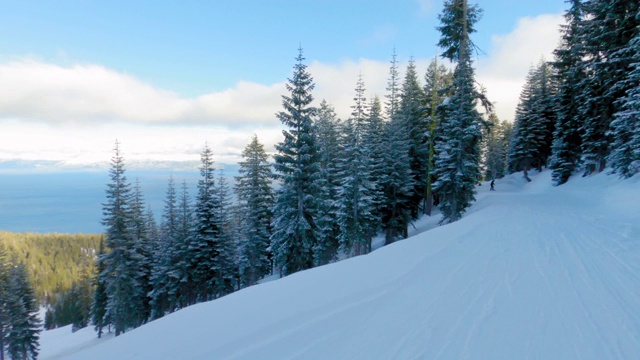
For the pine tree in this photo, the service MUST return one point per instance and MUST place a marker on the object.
(228, 244)
(100, 298)
(606, 31)
(625, 127)
(392, 105)
(496, 148)
(205, 250)
(396, 183)
(327, 128)
(458, 154)
(297, 166)
(143, 249)
(22, 338)
(4, 300)
(374, 138)
(255, 200)
(565, 150)
(163, 279)
(414, 118)
(534, 122)
(356, 192)
(180, 291)
(120, 274)
(438, 82)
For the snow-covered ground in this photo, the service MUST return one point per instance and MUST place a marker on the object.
(531, 271)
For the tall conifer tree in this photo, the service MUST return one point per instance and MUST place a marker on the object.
(297, 166)
(458, 154)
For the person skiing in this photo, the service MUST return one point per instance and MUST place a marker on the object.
(493, 182)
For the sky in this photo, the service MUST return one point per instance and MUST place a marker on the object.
(165, 78)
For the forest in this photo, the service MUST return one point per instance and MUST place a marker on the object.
(335, 184)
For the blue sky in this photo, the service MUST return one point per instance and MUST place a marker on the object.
(166, 76)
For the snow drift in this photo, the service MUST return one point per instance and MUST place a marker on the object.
(531, 271)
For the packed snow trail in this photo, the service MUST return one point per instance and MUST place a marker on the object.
(531, 272)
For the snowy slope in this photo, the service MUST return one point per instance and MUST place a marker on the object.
(532, 271)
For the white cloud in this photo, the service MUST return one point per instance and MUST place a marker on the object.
(42, 92)
(504, 71)
(426, 6)
(73, 114)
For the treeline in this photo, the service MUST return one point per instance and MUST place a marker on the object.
(54, 261)
(339, 184)
(581, 112)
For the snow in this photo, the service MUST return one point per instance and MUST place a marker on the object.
(531, 271)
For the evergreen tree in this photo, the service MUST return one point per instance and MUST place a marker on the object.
(374, 138)
(534, 122)
(607, 29)
(458, 154)
(228, 244)
(180, 291)
(625, 127)
(438, 82)
(99, 306)
(392, 105)
(297, 166)
(255, 200)
(565, 150)
(356, 192)
(22, 335)
(205, 250)
(396, 183)
(163, 279)
(496, 148)
(144, 251)
(120, 273)
(414, 118)
(4, 300)
(327, 128)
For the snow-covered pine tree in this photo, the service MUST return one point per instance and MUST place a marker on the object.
(120, 274)
(534, 122)
(415, 120)
(22, 340)
(162, 277)
(356, 192)
(625, 127)
(458, 153)
(4, 300)
(180, 290)
(565, 149)
(396, 183)
(606, 31)
(438, 81)
(392, 103)
(205, 269)
(496, 143)
(297, 166)
(255, 201)
(144, 250)
(327, 128)
(374, 138)
(228, 244)
(395, 180)
(99, 305)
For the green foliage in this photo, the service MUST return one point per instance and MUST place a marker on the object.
(54, 261)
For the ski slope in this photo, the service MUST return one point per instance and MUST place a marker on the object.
(531, 271)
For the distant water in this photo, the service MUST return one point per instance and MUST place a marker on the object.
(71, 202)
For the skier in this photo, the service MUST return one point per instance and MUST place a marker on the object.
(493, 182)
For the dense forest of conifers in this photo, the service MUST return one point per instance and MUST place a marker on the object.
(425, 146)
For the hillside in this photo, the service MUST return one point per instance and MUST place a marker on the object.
(531, 271)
